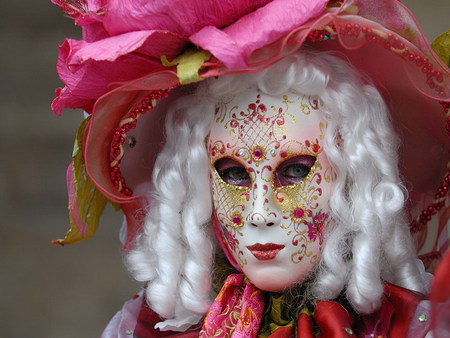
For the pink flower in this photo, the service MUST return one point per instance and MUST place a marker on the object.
(125, 39)
(315, 228)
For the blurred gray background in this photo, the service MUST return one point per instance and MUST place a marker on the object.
(46, 290)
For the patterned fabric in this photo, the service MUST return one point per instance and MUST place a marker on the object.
(236, 312)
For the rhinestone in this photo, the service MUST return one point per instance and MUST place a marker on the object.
(299, 213)
(258, 153)
(422, 317)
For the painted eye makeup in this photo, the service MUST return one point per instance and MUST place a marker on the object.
(232, 172)
(293, 170)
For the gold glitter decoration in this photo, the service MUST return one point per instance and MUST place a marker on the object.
(294, 195)
(233, 195)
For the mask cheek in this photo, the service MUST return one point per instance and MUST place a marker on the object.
(293, 205)
(229, 204)
(305, 207)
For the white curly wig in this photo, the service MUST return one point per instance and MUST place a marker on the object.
(366, 243)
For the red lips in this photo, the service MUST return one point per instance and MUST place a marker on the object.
(265, 252)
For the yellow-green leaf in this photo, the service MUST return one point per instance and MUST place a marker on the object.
(188, 65)
(441, 46)
(86, 207)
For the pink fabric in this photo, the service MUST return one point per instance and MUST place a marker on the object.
(237, 310)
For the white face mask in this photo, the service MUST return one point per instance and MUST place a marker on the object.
(271, 185)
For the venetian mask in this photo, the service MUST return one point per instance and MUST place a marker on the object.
(271, 183)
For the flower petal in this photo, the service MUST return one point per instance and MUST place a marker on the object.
(178, 16)
(152, 43)
(267, 24)
(86, 82)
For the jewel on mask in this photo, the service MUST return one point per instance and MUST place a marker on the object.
(237, 220)
(273, 152)
(240, 152)
(258, 153)
(298, 214)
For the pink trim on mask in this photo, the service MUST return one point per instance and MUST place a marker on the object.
(222, 244)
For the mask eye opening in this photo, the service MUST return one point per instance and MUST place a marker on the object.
(232, 172)
(293, 170)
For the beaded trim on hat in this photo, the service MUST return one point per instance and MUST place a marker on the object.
(442, 192)
(129, 122)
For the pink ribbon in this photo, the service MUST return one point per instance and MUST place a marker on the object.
(237, 310)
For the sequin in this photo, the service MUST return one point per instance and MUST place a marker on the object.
(422, 317)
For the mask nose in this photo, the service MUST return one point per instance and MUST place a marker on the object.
(265, 213)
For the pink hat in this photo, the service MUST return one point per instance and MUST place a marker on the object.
(134, 52)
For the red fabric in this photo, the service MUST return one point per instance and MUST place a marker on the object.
(376, 324)
(333, 319)
(405, 303)
(440, 297)
(304, 326)
(281, 332)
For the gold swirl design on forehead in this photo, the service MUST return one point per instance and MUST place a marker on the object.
(222, 109)
(306, 102)
(329, 175)
(322, 129)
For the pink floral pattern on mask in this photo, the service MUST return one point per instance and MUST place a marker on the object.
(315, 228)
